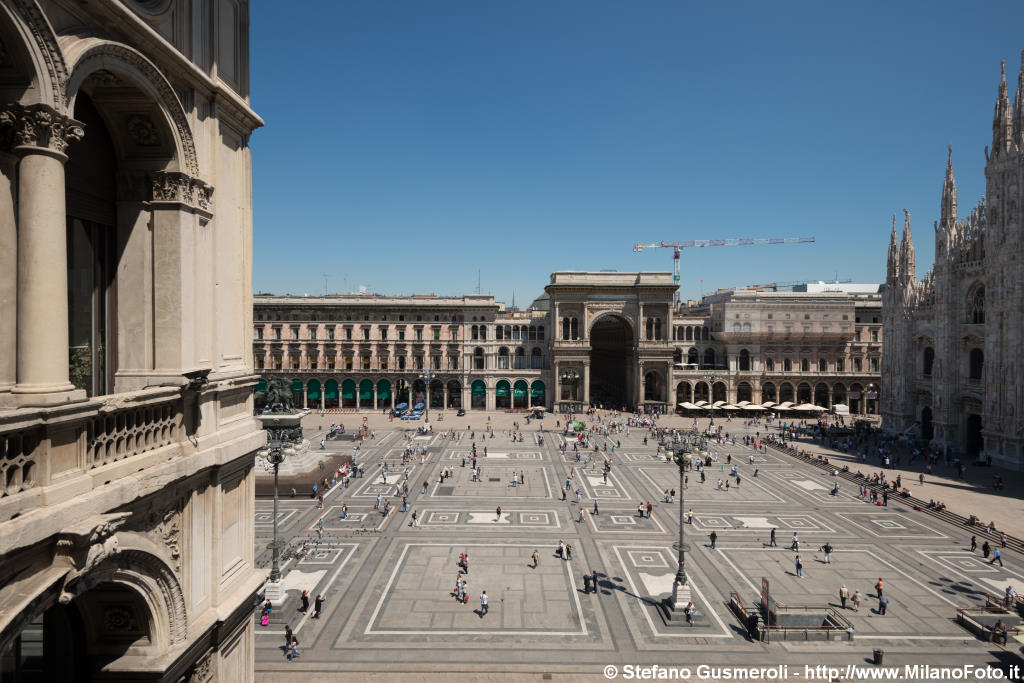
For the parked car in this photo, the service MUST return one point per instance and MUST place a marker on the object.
(461, 413)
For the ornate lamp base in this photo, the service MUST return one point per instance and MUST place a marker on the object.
(274, 592)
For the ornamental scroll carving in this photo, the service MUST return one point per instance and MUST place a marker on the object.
(181, 188)
(87, 546)
(39, 125)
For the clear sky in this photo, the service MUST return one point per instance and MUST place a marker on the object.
(410, 143)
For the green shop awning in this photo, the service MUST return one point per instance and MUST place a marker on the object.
(313, 390)
(519, 390)
(348, 389)
(383, 389)
(366, 389)
(537, 389)
(479, 388)
(331, 389)
(502, 389)
(261, 386)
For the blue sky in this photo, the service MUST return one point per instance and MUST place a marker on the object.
(410, 143)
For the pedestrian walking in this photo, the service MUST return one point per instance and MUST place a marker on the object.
(714, 538)
(795, 543)
(483, 603)
(985, 549)
(827, 549)
(305, 602)
(318, 605)
(287, 637)
(595, 507)
(856, 600)
(593, 579)
(799, 567)
(878, 587)
(997, 556)
(844, 595)
(689, 516)
(536, 559)
(293, 647)
(568, 551)
(771, 540)
(883, 603)
(497, 514)
(586, 583)
(974, 543)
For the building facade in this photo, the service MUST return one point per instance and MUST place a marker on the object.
(952, 375)
(126, 429)
(592, 338)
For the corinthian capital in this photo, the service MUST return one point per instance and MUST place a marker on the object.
(181, 188)
(40, 126)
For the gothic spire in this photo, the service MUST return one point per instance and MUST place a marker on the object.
(1018, 103)
(948, 194)
(892, 268)
(908, 262)
(1002, 121)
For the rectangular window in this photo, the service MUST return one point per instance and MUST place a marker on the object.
(295, 333)
(348, 334)
(503, 362)
(435, 362)
(366, 334)
(419, 334)
(259, 362)
(874, 335)
(277, 333)
(857, 365)
(314, 362)
(418, 362)
(259, 332)
(295, 362)
(874, 364)
(437, 334)
(277, 362)
(401, 362)
(330, 362)
(453, 362)
(383, 332)
(840, 365)
(330, 333)
(366, 362)
(383, 362)
(348, 362)
(401, 334)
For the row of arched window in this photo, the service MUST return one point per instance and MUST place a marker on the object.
(517, 359)
(691, 333)
(509, 332)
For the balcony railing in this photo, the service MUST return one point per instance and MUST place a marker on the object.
(122, 434)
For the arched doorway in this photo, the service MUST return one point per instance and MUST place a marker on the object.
(768, 393)
(519, 394)
(313, 394)
(856, 398)
(927, 428)
(366, 393)
(383, 393)
(839, 394)
(502, 395)
(297, 393)
(611, 361)
(684, 393)
(718, 392)
(436, 393)
(744, 392)
(454, 394)
(331, 394)
(821, 395)
(401, 392)
(537, 394)
(803, 393)
(786, 393)
(348, 394)
(478, 395)
(701, 392)
(973, 440)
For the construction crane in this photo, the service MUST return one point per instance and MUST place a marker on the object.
(678, 246)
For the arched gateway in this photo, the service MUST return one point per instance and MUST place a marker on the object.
(611, 361)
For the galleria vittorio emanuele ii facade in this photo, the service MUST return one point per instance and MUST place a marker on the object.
(592, 338)
(126, 429)
(953, 372)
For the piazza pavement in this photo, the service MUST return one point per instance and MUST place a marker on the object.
(390, 612)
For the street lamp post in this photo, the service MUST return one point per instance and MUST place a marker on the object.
(710, 378)
(675, 605)
(426, 384)
(275, 456)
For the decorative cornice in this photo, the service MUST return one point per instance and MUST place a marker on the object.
(181, 188)
(40, 126)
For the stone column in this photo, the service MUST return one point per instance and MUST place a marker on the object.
(8, 273)
(586, 385)
(557, 387)
(41, 138)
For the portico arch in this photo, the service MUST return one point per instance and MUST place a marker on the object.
(611, 360)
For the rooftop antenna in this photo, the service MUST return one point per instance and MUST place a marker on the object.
(477, 280)
(325, 283)
(346, 284)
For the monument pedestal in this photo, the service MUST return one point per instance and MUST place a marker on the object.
(673, 607)
(274, 592)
